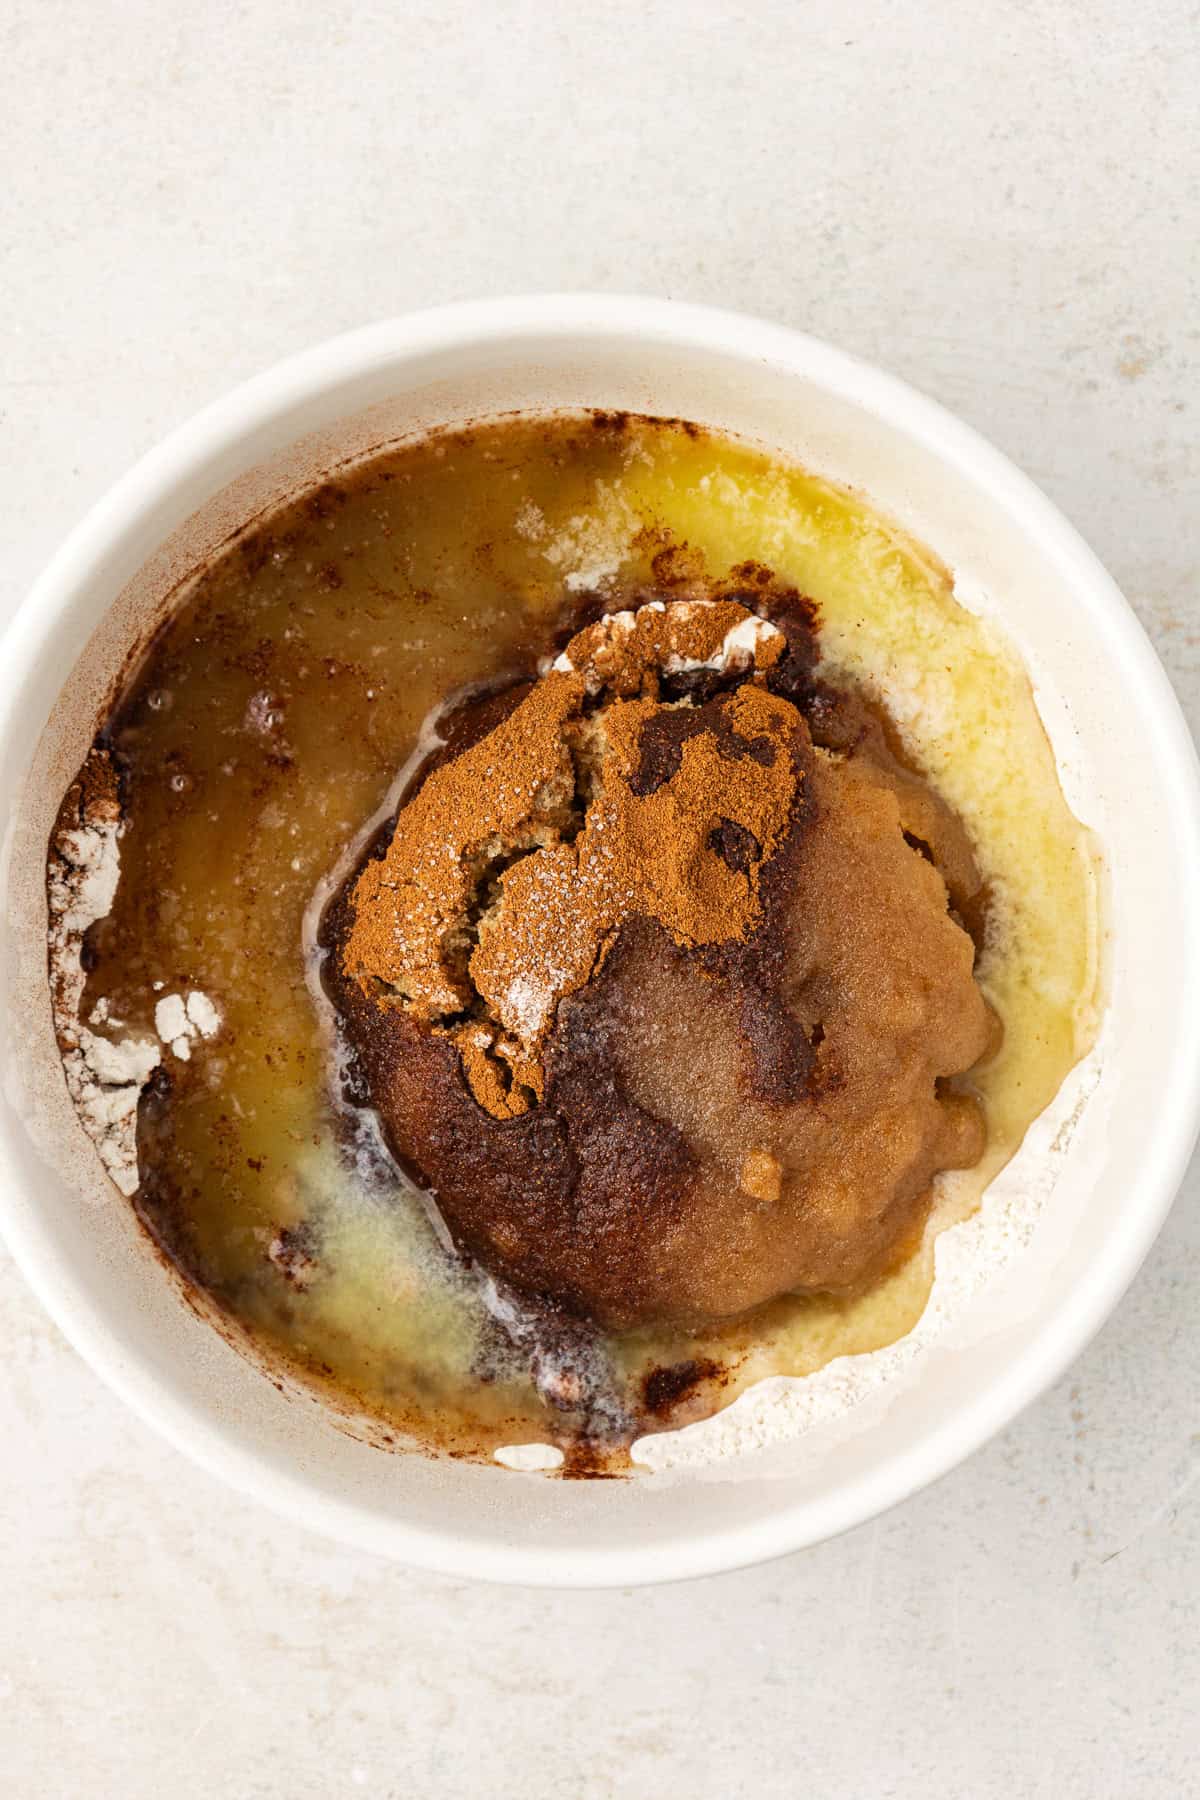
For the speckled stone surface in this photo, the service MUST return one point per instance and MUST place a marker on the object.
(998, 203)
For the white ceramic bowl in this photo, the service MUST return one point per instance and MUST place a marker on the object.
(1122, 744)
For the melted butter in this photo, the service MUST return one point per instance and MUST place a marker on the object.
(266, 727)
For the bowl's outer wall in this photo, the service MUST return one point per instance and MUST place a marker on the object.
(1130, 771)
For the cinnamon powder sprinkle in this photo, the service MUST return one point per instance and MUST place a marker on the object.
(515, 864)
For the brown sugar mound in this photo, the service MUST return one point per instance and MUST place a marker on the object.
(510, 873)
(658, 983)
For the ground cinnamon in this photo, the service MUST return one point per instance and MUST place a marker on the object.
(511, 871)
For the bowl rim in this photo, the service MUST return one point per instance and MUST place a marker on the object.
(1055, 1342)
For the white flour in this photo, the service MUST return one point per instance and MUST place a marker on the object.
(591, 548)
(105, 1075)
(178, 1021)
(737, 650)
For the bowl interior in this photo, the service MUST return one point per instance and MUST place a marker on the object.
(1128, 769)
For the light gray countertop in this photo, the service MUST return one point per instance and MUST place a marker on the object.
(999, 203)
